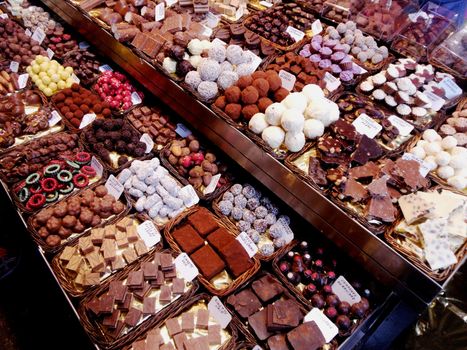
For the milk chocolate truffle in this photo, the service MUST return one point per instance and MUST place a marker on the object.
(273, 80)
(250, 95)
(221, 102)
(249, 111)
(244, 81)
(262, 86)
(233, 110)
(264, 103)
(232, 94)
(280, 94)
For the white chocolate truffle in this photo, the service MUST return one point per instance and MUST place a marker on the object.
(313, 128)
(195, 47)
(418, 152)
(258, 123)
(234, 54)
(422, 143)
(449, 142)
(274, 113)
(294, 141)
(443, 158)
(227, 79)
(431, 135)
(324, 110)
(461, 172)
(193, 79)
(432, 148)
(292, 120)
(206, 44)
(195, 60)
(169, 65)
(217, 52)
(458, 182)
(296, 100)
(312, 92)
(445, 172)
(430, 163)
(458, 161)
(458, 150)
(273, 136)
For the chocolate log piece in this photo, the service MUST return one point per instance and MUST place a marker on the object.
(173, 326)
(188, 239)
(203, 221)
(367, 149)
(307, 336)
(208, 262)
(220, 238)
(245, 303)
(202, 319)
(237, 258)
(178, 286)
(267, 288)
(132, 317)
(258, 323)
(278, 342)
(149, 26)
(283, 315)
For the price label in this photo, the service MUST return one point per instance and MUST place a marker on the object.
(296, 34)
(186, 267)
(367, 126)
(357, 69)
(135, 98)
(97, 166)
(424, 169)
(27, 32)
(212, 185)
(212, 20)
(342, 288)
(401, 125)
(87, 119)
(239, 13)
(254, 60)
(288, 233)
(149, 233)
(83, 45)
(217, 41)
(326, 326)
(265, 4)
(206, 30)
(316, 27)
(148, 141)
(4, 16)
(170, 2)
(436, 102)
(54, 118)
(160, 11)
(114, 187)
(50, 54)
(257, 347)
(332, 83)
(250, 247)
(219, 312)
(105, 68)
(23, 80)
(14, 66)
(75, 78)
(451, 89)
(38, 35)
(182, 130)
(189, 195)
(288, 80)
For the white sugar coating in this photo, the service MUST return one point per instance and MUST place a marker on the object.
(209, 70)
(430, 163)
(422, 143)
(294, 141)
(193, 79)
(449, 142)
(312, 92)
(379, 79)
(431, 135)
(432, 148)
(234, 54)
(367, 86)
(274, 113)
(258, 123)
(207, 90)
(217, 53)
(419, 152)
(273, 136)
(292, 120)
(206, 44)
(458, 161)
(296, 100)
(227, 79)
(443, 158)
(226, 66)
(445, 172)
(195, 47)
(458, 150)
(313, 128)
(245, 69)
(169, 65)
(195, 60)
(458, 182)
(461, 172)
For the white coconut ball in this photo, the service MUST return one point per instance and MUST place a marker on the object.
(458, 150)
(313, 92)
(206, 44)
(422, 143)
(294, 141)
(258, 123)
(418, 152)
(274, 113)
(461, 172)
(458, 182)
(431, 135)
(449, 142)
(432, 148)
(296, 100)
(430, 163)
(313, 128)
(273, 136)
(169, 65)
(458, 161)
(195, 47)
(195, 60)
(445, 172)
(319, 110)
(292, 120)
(443, 158)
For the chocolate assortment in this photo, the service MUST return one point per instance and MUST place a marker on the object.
(85, 65)
(49, 76)
(60, 42)
(342, 10)
(8, 82)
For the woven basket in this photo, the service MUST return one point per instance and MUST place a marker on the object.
(208, 197)
(433, 60)
(51, 250)
(246, 339)
(206, 283)
(98, 333)
(67, 282)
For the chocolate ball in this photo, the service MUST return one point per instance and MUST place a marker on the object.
(343, 322)
(331, 312)
(332, 300)
(343, 308)
(317, 300)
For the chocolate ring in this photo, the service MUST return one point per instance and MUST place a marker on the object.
(67, 189)
(82, 157)
(64, 176)
(51, 197)
(49, 184)
(88, 170)
(23, 195)
(33, 178)
(51, 170)
(80, 180)
(36, 201)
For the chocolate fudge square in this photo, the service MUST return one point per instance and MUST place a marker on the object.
(245, 303)
(267, 288)
(208, 262)
(283, 315)
(258, 323)
(307, 336)
(203, 221)
(278, 342)
(188, 239)
(220, 238)
(237, 258)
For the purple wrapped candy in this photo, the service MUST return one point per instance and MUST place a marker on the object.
(260, 225)
(315, 58)
(261, 212)
(285, 219)
(330, 43)
(236, 189)
(248, 216)
(225, 207)
(279, 243)
(317, 39)
(315, 47)
(276, 231)
(254, 235)
(339, 48)
(335, 69)
(252, 203)
(270, 219)
(237, 213)
(346, 75)
(243, 225)
(240, 201)
(306, 47)
(325, 52)
(305, 53)
(248, 191)
(338, 56)
(324, 64)
(273, 209)
(228, 196)
(266, 249)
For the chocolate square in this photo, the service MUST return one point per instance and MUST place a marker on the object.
(115, 333)
(173, 326)
(208, 262)
(118, 290)
(278, 342)
(178, 286)
(167, 262)
(220, 238)
(125, 306)
(168, 346)
(179, 340)
(150, 270)
(267, 288)
(258, 322)
(203, 221)
(307, 336)
(112, 319)
(166, 295)
(188, 322)
(237, 259)
(139, 345)
(154, 341)
(132, 317)
(149, 306)
(214, 334)
(245, 303)
(188, 239)
(135, 279)
(202, 319)
(283, 315)
(106, 304)
(140, 293)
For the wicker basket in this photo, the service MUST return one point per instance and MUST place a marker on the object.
(46, 248)
(97, 332)
(206, 283)
(433, 60)
(66, 281)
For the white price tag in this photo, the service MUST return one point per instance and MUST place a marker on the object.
(246, 242)
(296, 34)
(186, 267)
(50, 54)
(436, 102)
(148, 141)
(367, 126)
(114, 187)
(38, 35)
(316, 27)
(97, 166)
(54, 118)
(345, 292)
(83, 45)
(75, 78)
(135, 98)
(212, 185)
(206, 31)
(23, 80)
(239, 13)
(289, 235)
(401, 125)
(149, 233)
(28, 32)
(358, 69)
(105, 68)
(4, 16)
(255, 60)
(182, 130)
(160, 11)
(212, 20)
(87, 119)
(265, 4)
(332, 83)
(450, 87)
(326, 326)
(170, 2)
(14, 66)
(424, 169)
(217, 41)
(288, 80)
(190, 198)
(219, 312)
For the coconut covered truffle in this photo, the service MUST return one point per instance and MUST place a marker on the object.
(217, 52)
(209, 70)
(193, 79)
(296, 100)
(313, 129)
(274, 113)
(169, 65)
(292, 120)
(294, 141)
(226, 79)
(312, 92)
(323, 110)
(234, 54)
(207, 90)
(258, 123)
(195, 47)
(273, 136)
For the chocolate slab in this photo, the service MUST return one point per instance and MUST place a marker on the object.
(166, 294)
(258, 323)
(149, 306)
(173, 326)
(188, 322)
(245, 303)
(307, 336)
(278, 342)
(202, 319)
(203, 221)
(178, 286)
(267, 288)
(214, 334)
(132, 317)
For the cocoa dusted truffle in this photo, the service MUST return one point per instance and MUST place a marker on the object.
(250, 95)
(232, 94)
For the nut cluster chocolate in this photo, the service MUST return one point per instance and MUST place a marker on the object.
(75, 214)
(85, 65)
(60, 42)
